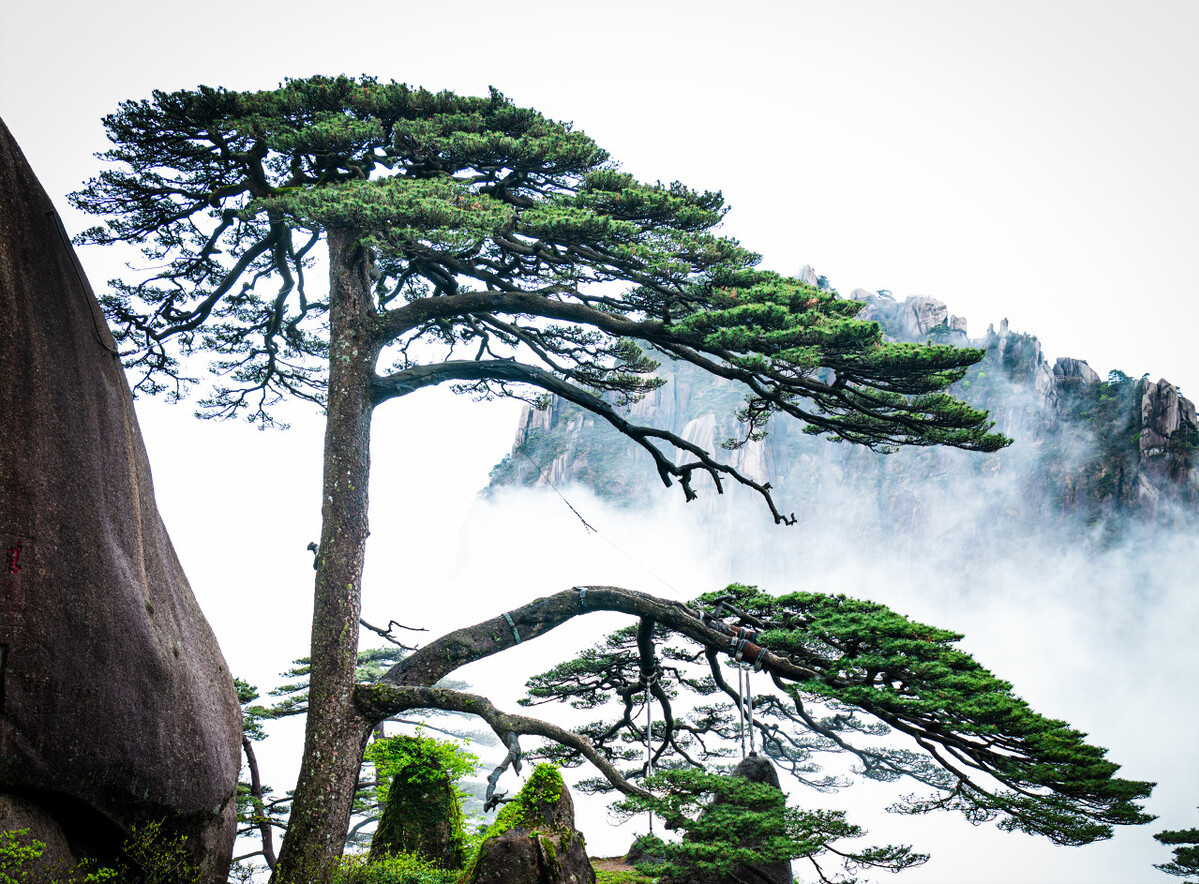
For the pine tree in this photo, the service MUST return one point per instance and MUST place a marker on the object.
(468, 241)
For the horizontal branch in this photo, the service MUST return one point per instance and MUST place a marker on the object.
(462, 646)
(1049, 781)
(397, 322)
(380, 701)
(404, 382)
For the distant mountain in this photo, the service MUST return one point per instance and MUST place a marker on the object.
(1091, 457)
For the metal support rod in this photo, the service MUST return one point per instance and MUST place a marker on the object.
(741, 706)
(649, 755)
(749, 716)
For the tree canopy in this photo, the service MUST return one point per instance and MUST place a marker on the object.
(503, 249)
(467, 241)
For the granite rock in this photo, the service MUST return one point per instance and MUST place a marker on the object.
(118, 707)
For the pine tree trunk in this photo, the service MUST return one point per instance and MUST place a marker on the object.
(335, 733)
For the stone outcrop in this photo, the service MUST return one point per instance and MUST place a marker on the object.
(1163, 413)
(117, 706)
(1067, 370)
(423, 814)
(1117, 452)
(533, 839)
(920, 315)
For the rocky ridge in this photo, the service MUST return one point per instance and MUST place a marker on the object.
(1087, 451)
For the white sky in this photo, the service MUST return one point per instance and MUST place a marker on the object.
(1033, 161)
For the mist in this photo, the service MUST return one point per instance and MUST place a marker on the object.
(1090, 616)
(1100, 638)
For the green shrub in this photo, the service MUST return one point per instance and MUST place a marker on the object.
(159, 858)
(402, 868)
(620, 876)
(729, 823)
(18, 850)
(419, 761)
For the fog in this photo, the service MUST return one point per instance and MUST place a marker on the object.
(1101, 638)
(1090, 630)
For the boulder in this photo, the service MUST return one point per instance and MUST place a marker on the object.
(423, 814)
(117, 707)
(533, 839)
(1076, 371)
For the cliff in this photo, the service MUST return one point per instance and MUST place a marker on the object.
(1089, 455)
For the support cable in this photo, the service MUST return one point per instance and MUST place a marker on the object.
(649, 754)
(592, 530)
(749, 708)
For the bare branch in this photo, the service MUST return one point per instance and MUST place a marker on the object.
(403, 382)
(379, 701)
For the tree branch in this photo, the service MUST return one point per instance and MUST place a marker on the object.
(404, 382)
(262, 820)
(379, 701)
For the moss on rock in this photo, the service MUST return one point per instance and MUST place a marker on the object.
(533, 839)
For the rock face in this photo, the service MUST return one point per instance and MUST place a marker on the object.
(1163, 413)
(117, 706)
(1087, 453)
(533, 840)
(423, 816)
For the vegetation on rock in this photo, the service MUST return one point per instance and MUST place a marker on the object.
(148, 856)
(534, 805)
(417, 785)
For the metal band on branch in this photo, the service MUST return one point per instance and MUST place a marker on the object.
(725, 629)
(583, 597)
(737, 646)
(743, 646)
(646, 679)
(515, 634)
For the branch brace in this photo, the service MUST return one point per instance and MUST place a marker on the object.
(493, 799)
(515, 632)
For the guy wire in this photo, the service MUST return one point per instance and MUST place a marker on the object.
(591, 529)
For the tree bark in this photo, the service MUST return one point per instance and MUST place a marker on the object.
(335, 731)
(263, 822)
